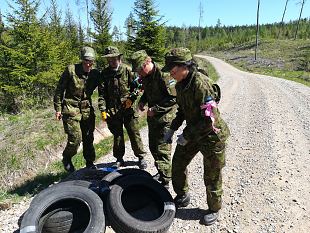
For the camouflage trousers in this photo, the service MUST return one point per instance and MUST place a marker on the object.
(160, 150)
(213, 151)
(115, 124)
(79, 131)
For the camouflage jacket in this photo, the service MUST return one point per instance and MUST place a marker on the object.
(74, 90)
(191, 93)
(115, 87)
(159, 91)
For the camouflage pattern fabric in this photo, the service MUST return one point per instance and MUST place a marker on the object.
(199, 133)
(111, 51)
(176, 56)
(159, 91)
(88, 53)
(73, 98)
(78, 131)
(114, 89)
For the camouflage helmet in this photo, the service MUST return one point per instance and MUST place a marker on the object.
(88, 53)
(176, 56)
(137, 59)
(111, 51)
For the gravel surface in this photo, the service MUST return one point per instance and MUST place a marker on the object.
(266, 178)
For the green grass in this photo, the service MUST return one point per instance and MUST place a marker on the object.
(287, 59)
(54, 172)
(203, 63)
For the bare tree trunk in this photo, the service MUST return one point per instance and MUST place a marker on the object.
(297, 27)
(87, 12)
(281, 25)
(257, 29)
(200, 18)
(78, 2)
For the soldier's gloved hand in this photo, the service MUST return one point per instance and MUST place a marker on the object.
(181, 140)
(104, 115)
(141, 106)
(168, 136)
(127, 103)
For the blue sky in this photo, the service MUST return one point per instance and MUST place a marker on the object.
(186, 12)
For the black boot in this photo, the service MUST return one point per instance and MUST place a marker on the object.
(142, 163)
(182, 200)
(68, 165)
(90, 165)
(210, 218)
(119, 163)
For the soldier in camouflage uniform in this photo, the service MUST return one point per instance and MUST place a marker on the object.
(117, 92)
(159, 95)
(203, 133)
(72, 103)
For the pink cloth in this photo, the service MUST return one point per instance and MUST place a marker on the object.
(208, 107)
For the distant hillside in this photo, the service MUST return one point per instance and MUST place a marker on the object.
(288, 59)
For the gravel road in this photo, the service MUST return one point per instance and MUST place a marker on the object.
(266, 178)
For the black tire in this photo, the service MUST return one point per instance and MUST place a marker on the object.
(155, 211)
(113, 177)
(66, 220)
(46, 216)
(62, 220)
(69, 197)
(82, 183)
(87, 174)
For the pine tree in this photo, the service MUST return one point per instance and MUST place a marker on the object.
(101, 17)
(150, 32)
(34, 58)
(71, 30)
(131, 28)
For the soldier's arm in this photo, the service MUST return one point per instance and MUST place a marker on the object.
(93, 81)
(143, 99)
(178, 120)
(60, 90)
(169, 99)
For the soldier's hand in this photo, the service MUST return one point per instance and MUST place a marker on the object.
(58, 115)
(181, 140)
(127, 103)
(104, 116)
(141, 106)
(168, 136)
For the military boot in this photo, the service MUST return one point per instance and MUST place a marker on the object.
(119, 163)
(182, 200)
(68, 165)
(90, 165)
(142, 163)
(210, 218)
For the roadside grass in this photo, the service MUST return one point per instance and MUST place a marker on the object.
(54, 172)
(203, 63)
(287, 59)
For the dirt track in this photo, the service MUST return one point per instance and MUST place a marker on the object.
(266, 178)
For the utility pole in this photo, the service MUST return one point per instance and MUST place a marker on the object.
(257, 29)
(297, 27)
(281, 25)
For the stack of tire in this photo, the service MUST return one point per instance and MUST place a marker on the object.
(129, 200)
